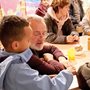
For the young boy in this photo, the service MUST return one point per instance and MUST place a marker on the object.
(15, 73)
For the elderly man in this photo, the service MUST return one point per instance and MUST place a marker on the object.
(52, 64)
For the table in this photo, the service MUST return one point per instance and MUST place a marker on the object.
(79, 59)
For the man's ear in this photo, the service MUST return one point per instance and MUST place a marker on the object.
(15, 45)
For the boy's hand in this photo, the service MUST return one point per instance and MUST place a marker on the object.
(72, 70)
(68, 65)
(65, 62)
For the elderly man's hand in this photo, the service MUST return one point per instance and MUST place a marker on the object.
(48, 56)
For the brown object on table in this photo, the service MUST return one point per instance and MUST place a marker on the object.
(88, 43)
(88, 33)
(78, 48)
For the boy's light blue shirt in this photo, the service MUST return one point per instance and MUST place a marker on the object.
(16, 74)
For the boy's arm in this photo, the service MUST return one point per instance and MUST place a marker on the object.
(27, 78)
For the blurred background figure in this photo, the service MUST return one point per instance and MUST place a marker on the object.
(76, 11)
(42, 8)
(22, 8)
(1, 12)
(85, 23)
(59, 24)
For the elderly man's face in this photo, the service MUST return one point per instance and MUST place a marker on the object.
(39, 35)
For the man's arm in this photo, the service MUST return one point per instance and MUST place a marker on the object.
(56, 39)
(52, 50)
(50, 67)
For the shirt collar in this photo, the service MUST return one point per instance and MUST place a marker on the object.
(26, 55)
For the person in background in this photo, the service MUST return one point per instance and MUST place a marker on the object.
(15, 73)
(42, 8)
(47, 59)
(85, 23)
(59, 25)
(76, 11)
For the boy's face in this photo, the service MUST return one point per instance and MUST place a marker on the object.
(26, 40)
(38, 35)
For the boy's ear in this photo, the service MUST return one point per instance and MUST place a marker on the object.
(15, 45)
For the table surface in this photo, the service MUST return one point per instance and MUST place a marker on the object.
(79, 59)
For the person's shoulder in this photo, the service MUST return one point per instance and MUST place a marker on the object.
(48, 19)
(18, 67)
(19, 71)
(47, 16)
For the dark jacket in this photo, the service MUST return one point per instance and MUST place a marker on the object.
(37, 61)
(53, 36)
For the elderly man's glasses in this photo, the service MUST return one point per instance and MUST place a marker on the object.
(37, 33)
